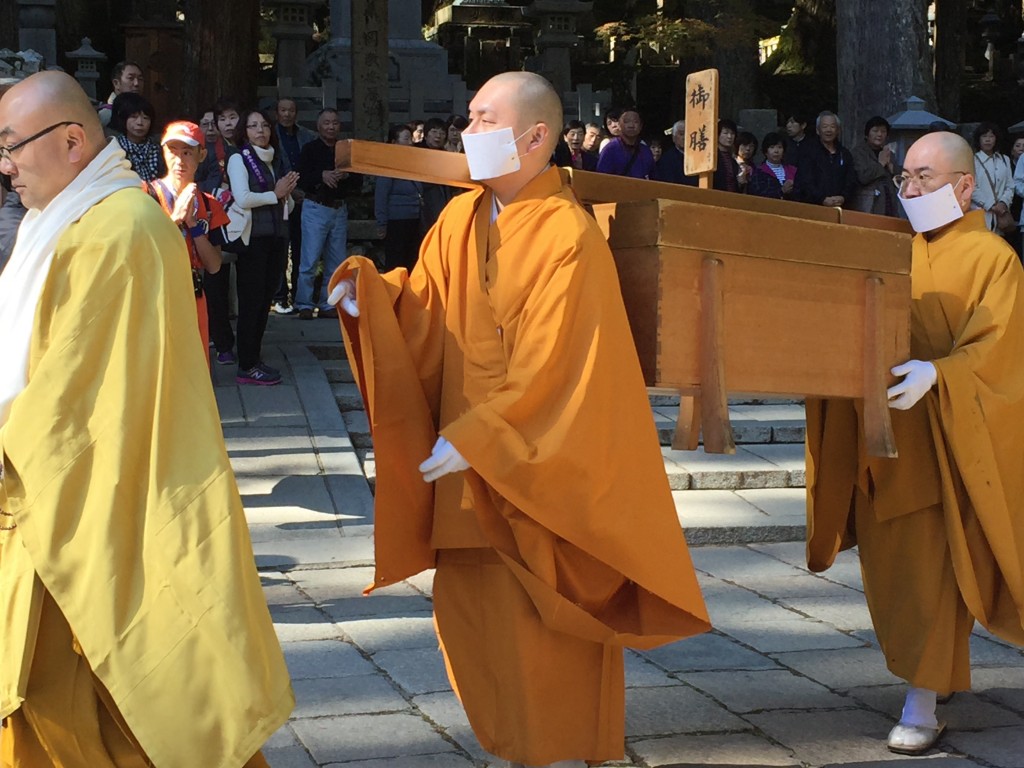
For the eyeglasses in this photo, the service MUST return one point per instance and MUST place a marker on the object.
(258, 126)
(6, 153)
(923, 180)
(207, 123)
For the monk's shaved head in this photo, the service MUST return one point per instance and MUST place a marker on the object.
(527, 104)
(533, 99)
(56, 95)
(58, 130)
(941, 151)
(937, 159)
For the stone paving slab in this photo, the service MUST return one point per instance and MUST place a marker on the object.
(272, 406)
(817, 738)
(286, 499)
(325, 659)
(271, 451)
(387, 633)
(756, 690)
(312, 548)
(444, 711)
(709, 651)
(789, 677)
(417, 761)
(711, 517)
(744, 469)
(678, 709)
(720, 750)
(1000, 747)
(362, 737)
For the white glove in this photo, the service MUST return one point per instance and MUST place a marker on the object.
(345, 292)
(444, 459)
(919, 377)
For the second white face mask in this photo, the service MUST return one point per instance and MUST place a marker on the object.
(933, 210)
(491, 154)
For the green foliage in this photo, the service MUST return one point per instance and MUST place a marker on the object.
(655, 40)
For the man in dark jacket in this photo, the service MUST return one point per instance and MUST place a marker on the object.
(324, 213)
(825, 173)
(670, 164)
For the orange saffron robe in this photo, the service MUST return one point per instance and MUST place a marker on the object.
(960, 447)
(510, 339)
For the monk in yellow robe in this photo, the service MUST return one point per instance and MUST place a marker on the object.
(502, 372)
(939, 529)
(133, 631)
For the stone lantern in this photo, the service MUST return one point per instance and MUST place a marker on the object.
(555, 38)
(85, 59)
(292, 29)
(911, 124)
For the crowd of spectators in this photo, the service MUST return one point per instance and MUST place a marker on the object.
(288, 207)
(804, 160)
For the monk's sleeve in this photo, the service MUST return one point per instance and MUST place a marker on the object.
(569, 459)
(978, 404)
(395, 349)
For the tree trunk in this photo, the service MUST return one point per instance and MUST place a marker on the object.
(221, 41)
(733, 54)
(950, 58)
(369, 69)
(808, 43)
(9, 24)
(883, 57)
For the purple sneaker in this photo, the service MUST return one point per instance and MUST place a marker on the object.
(258, 375)
(227, 358)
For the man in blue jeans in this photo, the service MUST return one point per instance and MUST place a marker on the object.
(324, 214)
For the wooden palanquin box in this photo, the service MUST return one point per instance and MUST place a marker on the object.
(731, 301)
(733, 294)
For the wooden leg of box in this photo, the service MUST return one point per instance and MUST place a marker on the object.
(877, 424)
(687, 434)
(718, 437)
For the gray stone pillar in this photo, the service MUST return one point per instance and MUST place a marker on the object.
(37, 25)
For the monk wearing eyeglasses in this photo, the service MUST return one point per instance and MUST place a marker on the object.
(133, 631)
(939, 529)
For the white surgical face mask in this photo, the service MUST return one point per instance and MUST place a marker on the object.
(491, 154)
(934, 209)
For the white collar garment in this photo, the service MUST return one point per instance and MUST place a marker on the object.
(22, 281)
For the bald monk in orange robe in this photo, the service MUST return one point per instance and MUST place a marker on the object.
(503, 369)
(940, 530)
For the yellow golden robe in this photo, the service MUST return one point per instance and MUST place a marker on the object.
(127, 512)
(939, 528)
(561, 544)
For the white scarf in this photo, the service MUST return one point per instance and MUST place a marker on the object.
(22, 281)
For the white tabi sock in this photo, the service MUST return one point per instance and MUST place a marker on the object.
(919, 708)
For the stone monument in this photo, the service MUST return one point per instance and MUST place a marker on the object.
(419, 85)
(37, 28)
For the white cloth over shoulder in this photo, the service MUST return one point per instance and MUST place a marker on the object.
(22, 281)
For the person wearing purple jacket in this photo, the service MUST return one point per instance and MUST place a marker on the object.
(626, 155)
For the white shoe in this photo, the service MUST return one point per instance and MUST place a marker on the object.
(913, 739)
(282, 309)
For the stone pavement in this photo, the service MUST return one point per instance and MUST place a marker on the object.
(790, 676)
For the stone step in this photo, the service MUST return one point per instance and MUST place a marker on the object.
(713, 518)
(752, 466)
(753, 422)
(769, 436)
